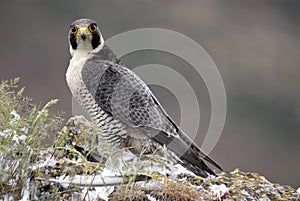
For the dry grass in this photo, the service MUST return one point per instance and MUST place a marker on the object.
(176, 192)
(23, 127)
(128, 193)
(170, 191)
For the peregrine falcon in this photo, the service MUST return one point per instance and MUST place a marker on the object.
(122, 106)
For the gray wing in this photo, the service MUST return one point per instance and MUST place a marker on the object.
(121, 93)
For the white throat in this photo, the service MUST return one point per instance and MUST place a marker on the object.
(84, 49)
(79, 57)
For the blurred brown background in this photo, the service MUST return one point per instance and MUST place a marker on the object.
(255, 45)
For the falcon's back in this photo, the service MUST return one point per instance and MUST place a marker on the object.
(123, 107)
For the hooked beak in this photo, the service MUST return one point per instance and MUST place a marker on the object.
(83, 33)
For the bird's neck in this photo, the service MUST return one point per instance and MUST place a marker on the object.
(102, 52)
(107, 54)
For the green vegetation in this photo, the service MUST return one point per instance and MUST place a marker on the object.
(23, 130)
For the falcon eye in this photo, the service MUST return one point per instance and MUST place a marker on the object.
(73, 29)
(92, 27)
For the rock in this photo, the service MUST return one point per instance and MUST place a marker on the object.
(76, 176)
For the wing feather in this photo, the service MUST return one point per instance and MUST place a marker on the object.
(121, 93)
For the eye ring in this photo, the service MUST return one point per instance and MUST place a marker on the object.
(73, 29)
(92, 27)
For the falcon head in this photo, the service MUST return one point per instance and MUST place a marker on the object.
(84, 35)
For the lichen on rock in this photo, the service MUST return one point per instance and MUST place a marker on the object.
(145, 185)
(72, 168)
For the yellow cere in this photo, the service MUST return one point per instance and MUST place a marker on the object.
(83, 29)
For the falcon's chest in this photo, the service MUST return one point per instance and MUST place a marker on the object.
(74, 76)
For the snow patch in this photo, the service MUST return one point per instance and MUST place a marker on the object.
(219, 190)
(150, 198)
(97, 192)
(16, 117)
(50, 161)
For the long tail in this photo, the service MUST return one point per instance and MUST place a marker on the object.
(188, 152)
